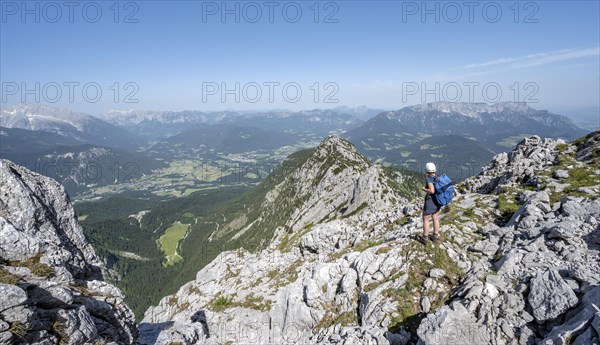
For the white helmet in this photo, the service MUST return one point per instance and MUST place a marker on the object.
(430, 167)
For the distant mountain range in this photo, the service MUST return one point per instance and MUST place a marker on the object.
(132, 129)
(478, 121)
(155, 125)
(136, 116)
(17, 142)
(464, 135)
(75, 164)
(81, 127)
(397, 136)
(363, 113)
(80, 167)
(162, 124)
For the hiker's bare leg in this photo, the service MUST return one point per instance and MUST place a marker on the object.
(425, 225)
(436, 223)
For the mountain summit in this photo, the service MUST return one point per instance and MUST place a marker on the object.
(316, 202)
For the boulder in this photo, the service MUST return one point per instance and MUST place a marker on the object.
(452, 325)
(11, 296)
(550, 296)
(184, 334)
(564, 230)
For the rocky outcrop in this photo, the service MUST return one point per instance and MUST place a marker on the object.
(538, 283)
(51, 288)
(518, 166)
(519, 264)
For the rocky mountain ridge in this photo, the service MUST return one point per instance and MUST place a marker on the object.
(157, 124)
(314, 186)
(519, 263)
(515, 113)
(474, 109)
(495, 126)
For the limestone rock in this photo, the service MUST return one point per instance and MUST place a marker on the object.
(437, 273)
(11, 296)
(550, 295)
(55, 292)
(561, 174)
(184, 334)
(452, 325)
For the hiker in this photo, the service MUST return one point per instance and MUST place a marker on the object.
(430, 208)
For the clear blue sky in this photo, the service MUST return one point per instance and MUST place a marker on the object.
(374, 53)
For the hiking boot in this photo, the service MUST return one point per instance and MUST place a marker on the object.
(423, 239)
(435, 238)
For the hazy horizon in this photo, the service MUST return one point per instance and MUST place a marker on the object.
(72, 107)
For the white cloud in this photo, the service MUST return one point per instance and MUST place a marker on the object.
(501, 65)
(537, 59)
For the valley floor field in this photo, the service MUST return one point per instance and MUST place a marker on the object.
(170, 240)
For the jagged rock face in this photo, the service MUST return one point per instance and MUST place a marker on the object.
(50, 276)
(529, 277)
(37, 218)
(280, 296)
(544, 289)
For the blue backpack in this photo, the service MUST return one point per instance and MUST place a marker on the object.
(443, 190)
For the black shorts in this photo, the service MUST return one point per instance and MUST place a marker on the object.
(430, 207)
